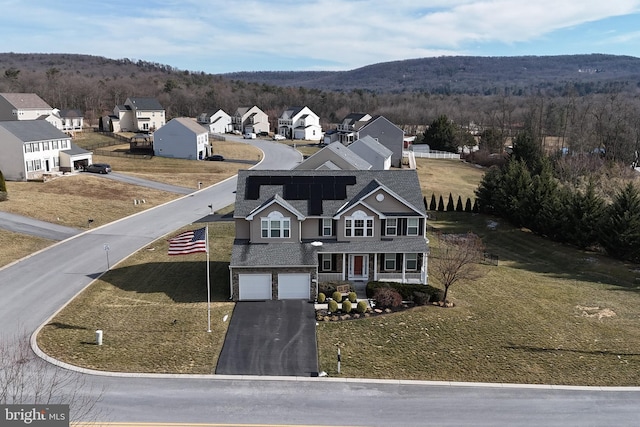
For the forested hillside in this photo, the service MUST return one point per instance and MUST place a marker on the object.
(472, 75)
(587, 100)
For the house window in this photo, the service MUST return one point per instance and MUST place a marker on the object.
(327, 227)
(275, 225)
(358, 225)
(412, 226)
(411, 261)
(56, 162)
(54, 145)
(45, 146)
(389, 261)
(326, 262)
(392, 227)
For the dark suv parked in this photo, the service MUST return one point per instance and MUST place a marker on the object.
(98, 168)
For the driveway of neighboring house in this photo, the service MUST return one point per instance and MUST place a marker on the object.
(34, 227)
(147, 183)
(276, 338)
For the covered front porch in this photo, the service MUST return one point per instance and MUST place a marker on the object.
(403, 267)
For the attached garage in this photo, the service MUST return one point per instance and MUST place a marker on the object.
(254, 287)
(294, 286)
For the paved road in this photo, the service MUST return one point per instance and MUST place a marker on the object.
(34, 227)
(34, 288)
(271, 338)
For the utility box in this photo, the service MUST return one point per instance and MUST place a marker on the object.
(99, 337)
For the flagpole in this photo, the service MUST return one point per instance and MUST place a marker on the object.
(208, 282)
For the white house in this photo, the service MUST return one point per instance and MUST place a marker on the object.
(182, 138)
(373, 152)
(216, 121)
(137, 114)
(32, 148)
(300, 123)
(250, 120)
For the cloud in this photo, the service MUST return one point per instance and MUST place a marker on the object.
(323, 34)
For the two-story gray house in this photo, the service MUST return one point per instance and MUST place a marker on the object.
(297, 228)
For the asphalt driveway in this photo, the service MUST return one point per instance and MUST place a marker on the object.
(274, 338)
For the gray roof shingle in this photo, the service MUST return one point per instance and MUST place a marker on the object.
(33, 130)
(403, 182)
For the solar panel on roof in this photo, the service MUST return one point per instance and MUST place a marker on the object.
(313, 188)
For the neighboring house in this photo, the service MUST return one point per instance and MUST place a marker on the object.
(33, 148)
(373, 152)
(334, 156)
(347, 130)
(23, 106)
(300, 123)
(359, 125)
(136, 115)
(297, 228)
(250, 120)
(182, 138)
(29, 106)
(387, 134)
(71, 120)
(216, 121)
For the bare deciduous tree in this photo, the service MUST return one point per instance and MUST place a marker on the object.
(455, 258)
(25, 378)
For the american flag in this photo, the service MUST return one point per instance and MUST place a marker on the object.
(188, 242)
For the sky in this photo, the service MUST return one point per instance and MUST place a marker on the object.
(222, 36)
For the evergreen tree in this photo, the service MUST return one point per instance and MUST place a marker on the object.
(450, 205)
(526, 149)
(514, 194)
(434, 205)
(441, 135)
(488, 198)
(441, 204)
(459, 207)
(585, 214)
(467, 206)
(620, 231)
(476, 208)
(424, 201)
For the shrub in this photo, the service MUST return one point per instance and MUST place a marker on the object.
(406, 290)
(333, 306)
(346, 306)
(336, 296)
(353, 297)
(421, 298)
(361, 307)
(321, 298)
(387, 298)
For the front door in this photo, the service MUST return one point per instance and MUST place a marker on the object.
(358, 267)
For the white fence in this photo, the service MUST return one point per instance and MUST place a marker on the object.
(436, 155)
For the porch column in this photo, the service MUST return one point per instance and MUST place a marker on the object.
(404, 262)
(344, 266)
(425, 269)
(375, 267)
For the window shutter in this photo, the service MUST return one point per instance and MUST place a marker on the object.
(402, 226)
(383, 227)
(320, 227)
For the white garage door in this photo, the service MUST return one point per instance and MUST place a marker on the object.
(254, 286)
(293, 286)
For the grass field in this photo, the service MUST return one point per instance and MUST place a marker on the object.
(546, 314)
